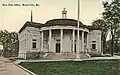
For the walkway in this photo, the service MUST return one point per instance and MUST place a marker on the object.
(91, 58)
(8, 68)
(99, 58)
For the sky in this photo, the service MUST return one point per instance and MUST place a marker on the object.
(12, 18)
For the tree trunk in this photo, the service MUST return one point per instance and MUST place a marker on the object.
(104, 47)
(116, 46)
(112, 45)
(4, 50)
(2, 54)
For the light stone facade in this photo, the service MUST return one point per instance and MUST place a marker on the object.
(58, 39)
(59, 36)
(25, 41)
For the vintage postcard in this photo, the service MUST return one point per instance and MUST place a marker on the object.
(59, 37)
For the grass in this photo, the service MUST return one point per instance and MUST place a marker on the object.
(96, 67)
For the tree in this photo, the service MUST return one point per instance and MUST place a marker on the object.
(117, 41)
(100, 23)
(111, 15)
(14, 36)
(118, 33)
(6, 39)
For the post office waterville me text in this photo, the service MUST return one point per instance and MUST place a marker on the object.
(20, 4)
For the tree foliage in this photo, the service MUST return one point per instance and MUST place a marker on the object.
(111, 15)
(6, 39)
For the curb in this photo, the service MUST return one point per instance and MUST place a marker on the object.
(92, 58)
(31, 73)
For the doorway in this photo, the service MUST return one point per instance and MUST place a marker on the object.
(57, 47)
(75, 48)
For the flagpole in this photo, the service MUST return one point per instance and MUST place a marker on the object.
(31, 16)
(78, 27)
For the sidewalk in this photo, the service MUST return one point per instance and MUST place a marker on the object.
(15, 70)
(8, 68)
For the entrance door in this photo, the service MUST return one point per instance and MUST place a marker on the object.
(57, 47)
(75, 48)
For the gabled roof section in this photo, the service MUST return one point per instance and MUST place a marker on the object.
(30, 24)
(94, 28)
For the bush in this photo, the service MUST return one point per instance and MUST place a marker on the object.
(94, 54)
(35, 55)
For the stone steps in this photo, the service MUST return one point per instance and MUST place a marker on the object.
(84, 55)
(57, 56)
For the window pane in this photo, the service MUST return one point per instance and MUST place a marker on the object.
(93, 46)
(34, 45)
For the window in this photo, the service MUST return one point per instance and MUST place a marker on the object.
(34, 45)
(93, 46)
(93, 41)
(58, 40)
(34, 39)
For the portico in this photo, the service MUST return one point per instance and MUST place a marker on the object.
(63, 39)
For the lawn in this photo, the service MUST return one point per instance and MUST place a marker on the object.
(96, 67)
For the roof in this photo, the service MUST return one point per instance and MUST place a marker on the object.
(93, 28)
(63, 22)
(30, 24)
(57, 22)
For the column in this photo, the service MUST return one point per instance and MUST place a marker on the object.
(83, 41)
(73, 48)
(61, 42)
(49, 40)
(42, 41)
(87, 42)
